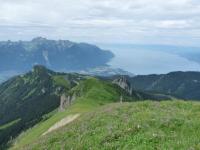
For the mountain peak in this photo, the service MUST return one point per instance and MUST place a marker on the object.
(41, 70)
(39, 67)
(38, 39)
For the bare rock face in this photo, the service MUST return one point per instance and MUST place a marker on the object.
(63, 101)
(124, 84)
(66, 101)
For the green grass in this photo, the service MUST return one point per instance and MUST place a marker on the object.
(60, 80)
(32, 134)
(5, 126)
(95, 94)
(140, 125)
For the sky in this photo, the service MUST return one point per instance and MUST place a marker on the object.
(174, 22)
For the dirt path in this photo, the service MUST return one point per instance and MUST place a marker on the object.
(62, 123)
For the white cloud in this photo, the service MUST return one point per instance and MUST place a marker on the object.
(134, 21)
(173, 24)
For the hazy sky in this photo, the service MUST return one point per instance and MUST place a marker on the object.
(113, 21)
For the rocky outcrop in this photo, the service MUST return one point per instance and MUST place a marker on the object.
(124, 84)
(66, 100)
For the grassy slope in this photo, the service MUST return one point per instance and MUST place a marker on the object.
(10, 124)
(140, 125)
(95, 94)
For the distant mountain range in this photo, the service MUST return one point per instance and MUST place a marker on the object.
(58, 55)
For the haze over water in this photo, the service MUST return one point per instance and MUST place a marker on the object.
(149, 61)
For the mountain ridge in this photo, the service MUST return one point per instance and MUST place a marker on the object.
(183, 85)
(25, 99)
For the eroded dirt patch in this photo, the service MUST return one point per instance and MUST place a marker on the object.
(62, 123)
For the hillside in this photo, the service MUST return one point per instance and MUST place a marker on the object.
(28, 99)
(139, 125)
(184, 85)
(94, 94)
(41, 104)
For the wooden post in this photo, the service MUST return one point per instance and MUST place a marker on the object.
(121, 99)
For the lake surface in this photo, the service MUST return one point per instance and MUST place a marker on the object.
(144, 60)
